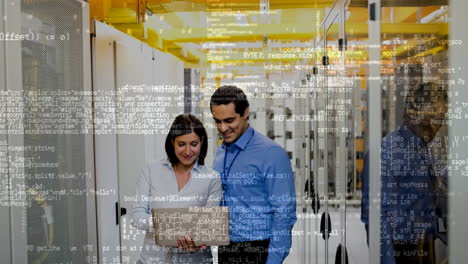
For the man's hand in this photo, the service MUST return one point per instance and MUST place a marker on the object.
(187, 244)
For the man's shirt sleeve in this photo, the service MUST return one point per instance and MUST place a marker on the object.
(282, 200)
(365, 193)
(386, 249)
(389, 192)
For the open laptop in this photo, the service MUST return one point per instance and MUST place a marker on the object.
(206, 225)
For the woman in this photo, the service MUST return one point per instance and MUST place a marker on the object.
(182, 180)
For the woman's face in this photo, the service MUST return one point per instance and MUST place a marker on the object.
(187, 148)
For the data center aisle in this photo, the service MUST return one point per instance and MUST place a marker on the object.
(357, 247)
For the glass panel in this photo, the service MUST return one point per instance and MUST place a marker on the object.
(55, 174)
(321, 123)
(331, 36)
(336, 115)
(414, 82)
(356, 72)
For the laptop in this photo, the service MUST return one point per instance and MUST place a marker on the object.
(206, 225)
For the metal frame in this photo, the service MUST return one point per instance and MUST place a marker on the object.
(106, 167)
(5, 232)
(299, 168)
(325, 162)
(457, 131)
(334, 16)
(336, 12)
(91, 223)
(342, 174)
(375, 134)
(316, 148)
(307, 171)
(14, 243)
(12, 21)
(320, 147)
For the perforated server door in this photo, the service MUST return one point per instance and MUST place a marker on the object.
(48, 142)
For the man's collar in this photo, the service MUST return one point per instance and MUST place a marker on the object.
(242, 141)
(410, 136)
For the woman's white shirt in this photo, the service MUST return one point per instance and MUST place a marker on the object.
(157, 188)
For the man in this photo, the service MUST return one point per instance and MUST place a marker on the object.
(411, 189)
(258, 184)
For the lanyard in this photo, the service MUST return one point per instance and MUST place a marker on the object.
(228, 169)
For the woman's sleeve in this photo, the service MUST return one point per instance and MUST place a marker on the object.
(140, 213)
(215, 192)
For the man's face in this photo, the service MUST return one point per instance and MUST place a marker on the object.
(230, 124)
(437, 115)
(430, 118)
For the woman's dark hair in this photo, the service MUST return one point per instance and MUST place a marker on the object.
(185, 124)
(230, 94)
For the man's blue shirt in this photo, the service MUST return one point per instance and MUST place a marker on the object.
(408, 191)
(259, 190)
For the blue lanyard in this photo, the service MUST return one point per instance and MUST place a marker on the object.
(228, 169)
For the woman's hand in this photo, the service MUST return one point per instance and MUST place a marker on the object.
(187, 244)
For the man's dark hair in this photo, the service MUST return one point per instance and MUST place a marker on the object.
(230, 94)
(185, 124)
(423, 95)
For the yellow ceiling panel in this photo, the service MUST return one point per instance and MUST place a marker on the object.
(424, 12)
(290, 31)
(179, 26)
(398, 29)
(121, 15)
(168, 6)
(164, 6)
(117, 11)
(173, 19)
(309, 16)
(276, 56)
(399, 14)
(357, 15)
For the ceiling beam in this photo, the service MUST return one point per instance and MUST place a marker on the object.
(401, 3)
(291, 32)
(275, 56)
(164, 6)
